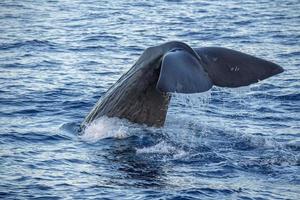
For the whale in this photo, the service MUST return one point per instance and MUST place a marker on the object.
(143, 93)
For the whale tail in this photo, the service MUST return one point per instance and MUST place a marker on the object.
(184, 72)
(142, 94)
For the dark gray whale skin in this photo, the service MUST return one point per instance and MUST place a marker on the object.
(143, 93)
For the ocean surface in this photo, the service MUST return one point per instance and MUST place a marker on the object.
(58, 57)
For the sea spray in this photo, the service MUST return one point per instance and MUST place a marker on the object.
(105, 127)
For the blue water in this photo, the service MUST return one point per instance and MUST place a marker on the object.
(58, 57)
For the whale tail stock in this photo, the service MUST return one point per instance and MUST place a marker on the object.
(142, 94)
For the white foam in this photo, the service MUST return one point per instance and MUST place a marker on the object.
(162, 148)
(105, 127)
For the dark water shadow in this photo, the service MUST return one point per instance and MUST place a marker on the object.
(138, 170)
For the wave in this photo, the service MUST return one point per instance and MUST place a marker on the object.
(29, 44)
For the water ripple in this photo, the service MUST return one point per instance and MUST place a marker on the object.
(57, 58)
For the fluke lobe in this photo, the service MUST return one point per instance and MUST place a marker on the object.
(143, 93)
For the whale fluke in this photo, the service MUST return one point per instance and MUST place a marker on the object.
(183, 73)
(230, 68)
(142, 94)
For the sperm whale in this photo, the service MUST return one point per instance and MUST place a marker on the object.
(143, 93)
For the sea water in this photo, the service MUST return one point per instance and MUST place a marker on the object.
(58, 57)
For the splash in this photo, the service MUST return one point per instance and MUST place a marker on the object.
(162, 148)
(106, 127)
(196, 100)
